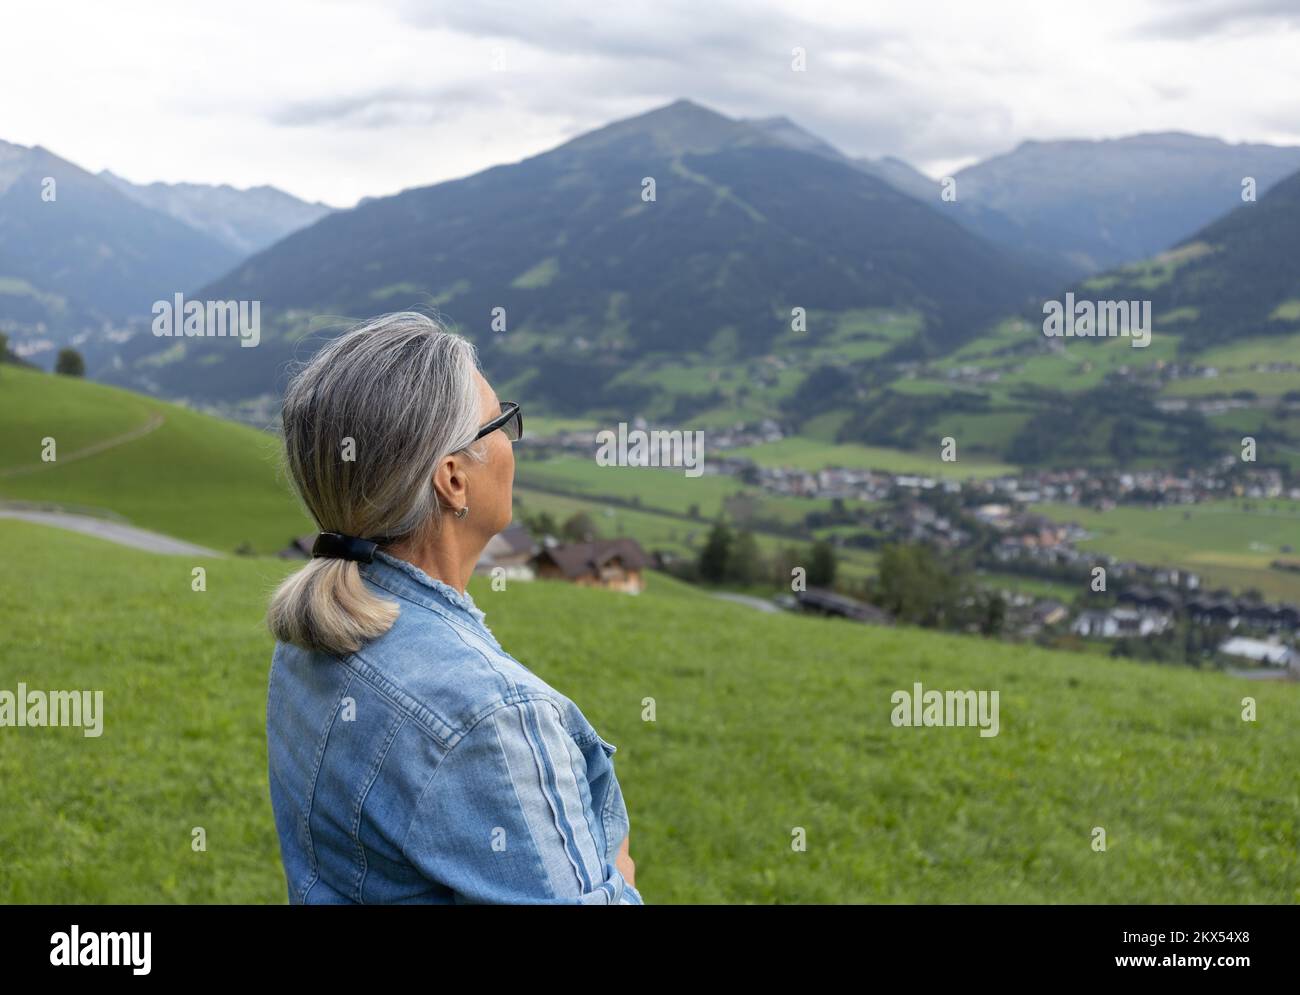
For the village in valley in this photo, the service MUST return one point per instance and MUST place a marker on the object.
(1071, 596)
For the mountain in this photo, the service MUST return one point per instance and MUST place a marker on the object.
(895, 172)
(1236, 277)
(1098, 204)
(88, 259)
(743, 228)
(245, 221)
(984, 221)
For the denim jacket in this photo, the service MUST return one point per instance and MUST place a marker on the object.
(433, 767)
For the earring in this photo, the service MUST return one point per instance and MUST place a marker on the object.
(462, 512)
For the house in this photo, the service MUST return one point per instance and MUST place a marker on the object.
(1120, 622)
(1258, 651)
(1211, 611)
(614, 564)
(1049, 612)
(1141, 598)
(511, 550)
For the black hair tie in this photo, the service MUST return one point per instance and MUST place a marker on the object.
(343, 547)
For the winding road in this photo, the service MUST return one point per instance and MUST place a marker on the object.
(103, 528)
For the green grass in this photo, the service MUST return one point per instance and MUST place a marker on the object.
(809, 454)
(659, 487)
(1263, 384)
(1034, 586)
(536, 426)
(765, 726)
(210, 481)
(1235, 365)
(1248, 352)
(679, 533)
(664, 489)
(652, 531)
(1148, 274)
(1224, 541)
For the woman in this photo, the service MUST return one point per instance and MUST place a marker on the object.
(411, 758)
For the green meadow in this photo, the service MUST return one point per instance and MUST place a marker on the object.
(1229, 543)
(811, 454)
(673, 532)
(212, 482)
(765, 730)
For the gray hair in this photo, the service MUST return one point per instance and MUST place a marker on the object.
(365, 423)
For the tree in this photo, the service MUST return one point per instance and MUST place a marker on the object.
(821, 568)
(70, 363)
(542, 524)
(992, 613)
(579, 527)
(744, 561)
(715, 556)
(783, 564)
(915, 587)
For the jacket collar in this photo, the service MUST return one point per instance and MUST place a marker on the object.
(406, 579)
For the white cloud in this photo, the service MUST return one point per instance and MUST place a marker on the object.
(339, 99)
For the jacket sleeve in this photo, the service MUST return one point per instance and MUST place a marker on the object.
(506, 817)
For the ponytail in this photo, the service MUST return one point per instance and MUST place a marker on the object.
(327, 607)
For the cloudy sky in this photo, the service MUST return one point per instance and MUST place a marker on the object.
(337, 99)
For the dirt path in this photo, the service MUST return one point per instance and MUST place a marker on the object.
(152, 425)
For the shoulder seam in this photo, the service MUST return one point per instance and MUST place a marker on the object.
(404, 701)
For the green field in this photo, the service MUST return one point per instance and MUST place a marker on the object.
(1226, 542)
(209, 481)
(1262, 384)
(810, 454)
(1035, 586)
(669, 532)
(766, 726)
(1248, 352)
(668, 488)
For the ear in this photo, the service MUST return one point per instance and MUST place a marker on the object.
(450, 482)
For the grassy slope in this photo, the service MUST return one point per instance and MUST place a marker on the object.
(200, 478)
(1226, 542)
(763, 724)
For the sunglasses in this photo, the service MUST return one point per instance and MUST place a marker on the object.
(511, 421)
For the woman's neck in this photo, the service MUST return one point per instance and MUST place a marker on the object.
(449, 556)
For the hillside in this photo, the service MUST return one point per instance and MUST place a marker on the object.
(746, 747)
(1234, 278)
(1097, 204)
(158, 465)
(1223, 362)
(595, 281)
(90, 258)
(985, 221)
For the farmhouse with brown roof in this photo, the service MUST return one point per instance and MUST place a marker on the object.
(615, 564)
